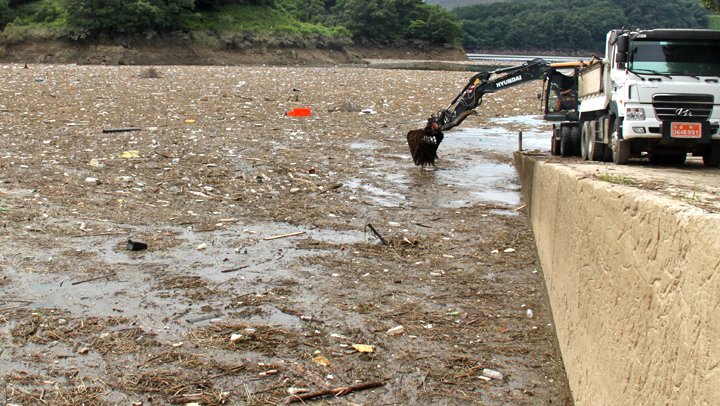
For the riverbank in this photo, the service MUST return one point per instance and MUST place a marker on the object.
(262, 275)
(185, 53)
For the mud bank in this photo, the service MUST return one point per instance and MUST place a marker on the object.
(633, 280)
(262, 279)
(182, 52)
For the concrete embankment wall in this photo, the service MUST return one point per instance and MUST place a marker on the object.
(634, 284)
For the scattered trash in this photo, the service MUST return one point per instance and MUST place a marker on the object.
(190, 121)
(120, 130)
(337, 392)
(368, 111)
(296, 391)
(529, 313)
(92, 181)
(202, 247)
(298, 112)
(508, 250)
(284, 235)
(374, 231)
(396, 330)
(330, 187)
(493, 374)
(93, 279)
(235, 269)
(321, 361)
(236, 337)
(136, 245)
(129, 154)
(364, 348)
(453, 314)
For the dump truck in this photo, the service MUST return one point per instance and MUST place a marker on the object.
(653, 94)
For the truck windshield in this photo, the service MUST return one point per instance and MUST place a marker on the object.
(691, 58)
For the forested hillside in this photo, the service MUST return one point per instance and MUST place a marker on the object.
(569, 25)
(450, 4)
(335, 20)
(512, 25)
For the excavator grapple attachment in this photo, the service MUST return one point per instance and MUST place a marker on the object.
(424, 145)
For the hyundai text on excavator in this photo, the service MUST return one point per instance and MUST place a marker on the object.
(559, 99)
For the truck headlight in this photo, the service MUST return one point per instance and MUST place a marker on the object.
(635, 114)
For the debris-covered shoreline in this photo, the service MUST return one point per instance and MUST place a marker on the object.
(285, 255)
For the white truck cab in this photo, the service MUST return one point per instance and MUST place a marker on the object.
(655, 93)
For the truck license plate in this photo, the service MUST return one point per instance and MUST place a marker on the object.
(686, 130)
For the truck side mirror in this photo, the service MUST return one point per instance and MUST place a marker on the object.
(622, 44)
(621, 59)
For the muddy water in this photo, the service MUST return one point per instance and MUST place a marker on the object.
(459, 274)
(476, 180)
(155, 303)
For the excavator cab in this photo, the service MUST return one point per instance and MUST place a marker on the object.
(560, 92)
(560, 105)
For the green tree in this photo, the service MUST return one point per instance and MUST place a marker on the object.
(443, 26)
(209, 4)
(569, 24)
(366, 19)
(713, 5)
(5, 13)
(126, 16)
(307, 11)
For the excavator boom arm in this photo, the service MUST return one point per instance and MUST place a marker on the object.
(481, 84)
(424, 143)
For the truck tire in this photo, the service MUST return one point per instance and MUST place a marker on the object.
(585, 140)
(620, 151)
(711, 159)
(576, 135)
(607, 157)
(597, 149)
(566, 144)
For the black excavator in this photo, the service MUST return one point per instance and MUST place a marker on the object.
(425, 142)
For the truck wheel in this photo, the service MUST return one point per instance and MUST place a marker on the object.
(566, 146)
(711, 159)
(597, 151)
(607, 157)
(620, 151)
(596, 148)
(585, 140)
(575, 135)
